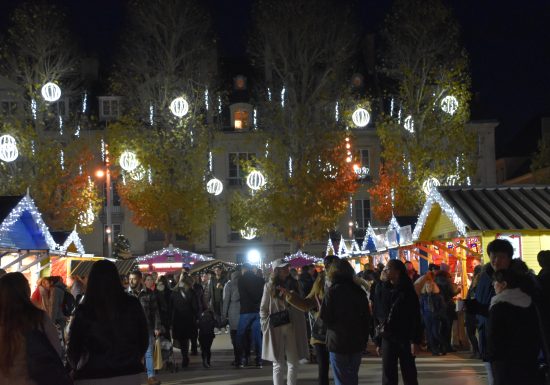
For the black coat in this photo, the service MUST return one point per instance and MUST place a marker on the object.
(251, 290)
(405, 323)
(183, 314)
(108, 349)
(380, 297)
(513, 343)
(345, 311)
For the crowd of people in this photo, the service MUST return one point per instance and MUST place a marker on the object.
(103, 329)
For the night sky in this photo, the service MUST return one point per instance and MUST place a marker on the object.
(508, 43)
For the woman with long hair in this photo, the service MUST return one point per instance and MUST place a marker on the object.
(312, 303)
(402, 332)
(108, 336)
(18, 318)
(284, 327)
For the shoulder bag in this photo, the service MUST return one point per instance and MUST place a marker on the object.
(383, 329)
(279, 318)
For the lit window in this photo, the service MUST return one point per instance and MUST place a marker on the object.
(241, 119)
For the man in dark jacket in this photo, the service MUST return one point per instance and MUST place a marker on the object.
(500, 255)
(345, 310)
(149, 304)
(251, 289)
(215, 289)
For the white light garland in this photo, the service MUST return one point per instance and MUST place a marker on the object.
(336, 112)
(391, 107)
(255, 119)
(150, 175)
(62, 159)
(51, 92)
(179, 107)
(26, 204)
(436, 197)
(283, 91)
(268, 94)
(152, 115)
(102, 150)
(408, 124)
(8, 148)
(128, 161)
(302, 255)
(173, 251)
(452, 180)
(60, 125)
(255, 180)
(34, 108)
(360, 117)
(214, 186)
(84, 103)
(219, 105)
(73, 238)
(290, 167)
(206, 99)
(449, 104)
(77, 132)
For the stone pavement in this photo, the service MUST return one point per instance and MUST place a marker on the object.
(453, 369)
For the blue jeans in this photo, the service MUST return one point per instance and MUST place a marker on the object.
(432, 333)
(149, 357)
(250, 321)
(345, 368)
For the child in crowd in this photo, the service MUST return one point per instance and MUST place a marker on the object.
(207, 323)
(433, 308)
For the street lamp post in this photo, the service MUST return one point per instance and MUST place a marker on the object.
(108, 200)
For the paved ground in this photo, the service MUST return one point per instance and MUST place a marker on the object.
(449, 370)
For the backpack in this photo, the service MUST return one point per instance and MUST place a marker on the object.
(68, 305)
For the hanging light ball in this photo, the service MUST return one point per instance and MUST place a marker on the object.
(87, 217)
(214, 186)
(128, 161)
(408, 124)
(179, 107)
(360, 117)
(8, 148)
(449, 104)
(137, 173)
(452, 180)
(430, 184)
(248, 233)
(255, 180)
(51, 92)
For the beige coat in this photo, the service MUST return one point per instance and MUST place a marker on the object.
(271, 350)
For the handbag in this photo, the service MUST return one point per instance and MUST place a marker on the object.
(382, 330)
(280, 317)
(318, 327)
(157, 355)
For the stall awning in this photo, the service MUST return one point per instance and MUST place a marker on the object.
(211, 265)
(83, 268)
(501, 208)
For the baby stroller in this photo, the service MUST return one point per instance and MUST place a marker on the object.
(167, 350)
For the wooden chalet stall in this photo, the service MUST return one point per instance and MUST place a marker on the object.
(456, 224)
(25, 240)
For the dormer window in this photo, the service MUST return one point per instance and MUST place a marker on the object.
(240, 116)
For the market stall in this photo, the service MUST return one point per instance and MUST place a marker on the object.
(301, 259)
(83, 266)
(209, 266)
(456, 224)
(25, 240)
(169, 259)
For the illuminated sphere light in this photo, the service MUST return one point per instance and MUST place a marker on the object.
(179, 107)
(408, 124)
(360, 117)
(214, 186)
(452, 180)
(86, 218)
(449, 104)
(128, 161)
(248, 233)
(255, 180)
(137, 173)
(8, 148)
(51, 92)
(429, 184)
